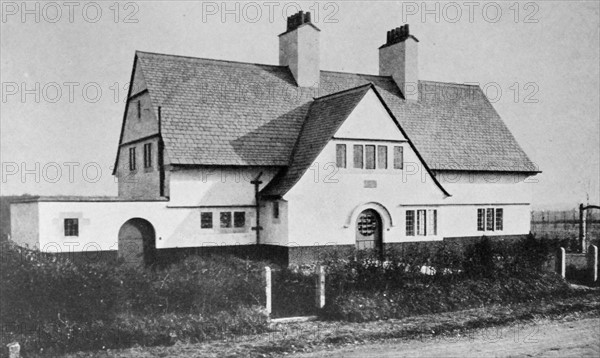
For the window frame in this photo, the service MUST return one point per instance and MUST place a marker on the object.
(410, 223)
(132, 159)
(71, 227)
(341, 156)
(421, 226)
(370, 153)
(212, 223)
(382, 157)
(490, 219)
(236, 214)
(358, 160)
(398, 157)
(147, 155)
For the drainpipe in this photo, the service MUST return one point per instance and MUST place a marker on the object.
(257, 183)
(161, 169)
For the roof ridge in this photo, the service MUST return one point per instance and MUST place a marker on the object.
(208, 59)
(346, 91)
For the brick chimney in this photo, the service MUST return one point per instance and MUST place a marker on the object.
(399, 58)
(299, 49)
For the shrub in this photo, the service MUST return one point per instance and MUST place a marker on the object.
(54, 305)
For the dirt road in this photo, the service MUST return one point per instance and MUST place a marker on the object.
(545, 339)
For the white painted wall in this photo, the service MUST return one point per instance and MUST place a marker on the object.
(214, 186)
(99, 224)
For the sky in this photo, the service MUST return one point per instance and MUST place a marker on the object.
(65, 67)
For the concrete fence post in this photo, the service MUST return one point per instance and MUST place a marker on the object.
(14, 350)
(320, 283)
(593, 262)
(267, 276)
(560, 262)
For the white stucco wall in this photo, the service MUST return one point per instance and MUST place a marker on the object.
(216, 186)
(99, 224)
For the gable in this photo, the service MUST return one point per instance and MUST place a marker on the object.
(138, 84)
(369, 120)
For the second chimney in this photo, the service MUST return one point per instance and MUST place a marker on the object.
(399, 58)
(299, 49)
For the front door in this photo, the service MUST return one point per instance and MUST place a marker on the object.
(369, 231)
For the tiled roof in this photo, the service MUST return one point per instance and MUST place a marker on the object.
(229, 113)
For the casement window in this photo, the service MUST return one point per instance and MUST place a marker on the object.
(398, 157)
(421, 221)
(71, 227)
(424, 223)
(148, 155)
(225, 220)
(132, 166)
(382, 157)
(480, 219)
(490, 219)
(275, 210)
(239, 219)
(369, 156)
(431, 222)
(499, 219)
(206, 220)
(340, 155)
(358, 156)
(410, 223)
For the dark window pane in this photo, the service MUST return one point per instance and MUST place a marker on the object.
(148, 155)
(499, 219)
(276, 209)
(410, 223)
(489, 219)
(132, 158)
(358, 156)
(382, 157)
(480, 219)
(398, 157)
(370, 156)
(206, 220)
(340, 155)
(226, 220)
(71, 227)
(239, 219)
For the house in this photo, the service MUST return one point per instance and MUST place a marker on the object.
(292, 161)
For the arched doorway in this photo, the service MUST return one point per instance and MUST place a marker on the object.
(369, 230)
(137, 242)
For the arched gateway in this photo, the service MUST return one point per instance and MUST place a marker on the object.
(137, 242)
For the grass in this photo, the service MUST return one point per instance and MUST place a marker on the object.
(315, 336)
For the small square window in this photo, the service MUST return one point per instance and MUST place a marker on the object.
(340, 155)
(239, 219)
(206, 220)
(358, 156)
(226, 220)
(71, 227)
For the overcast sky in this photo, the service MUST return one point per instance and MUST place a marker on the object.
(542, 56)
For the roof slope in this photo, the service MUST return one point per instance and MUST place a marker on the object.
(230, 113)
(325, 116)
